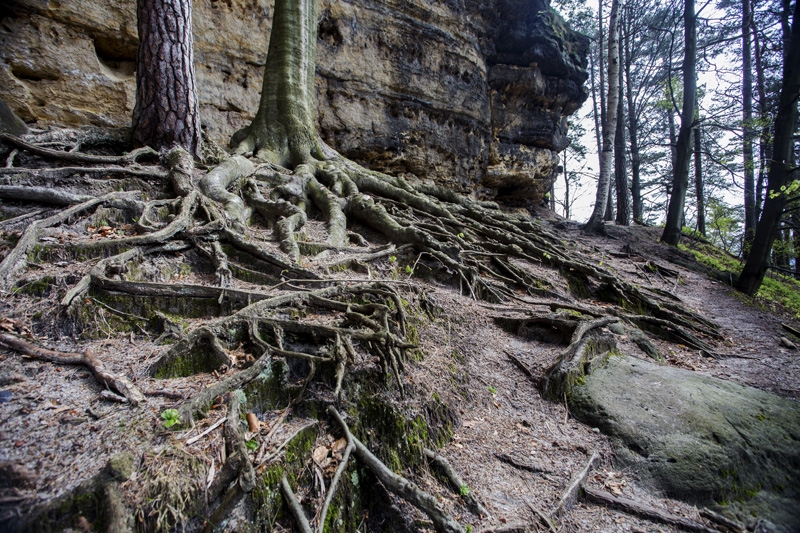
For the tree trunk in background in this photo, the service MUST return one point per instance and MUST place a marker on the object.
(608, 215)
(598, 120)
(566, 188)
(595, 223)
(601, 62)
(166, 113)
(633, 134)
(764, 133)
(698, 181)
(781, 167)
(683, 148)
(747, 131)
(620, 171)
(796, 242)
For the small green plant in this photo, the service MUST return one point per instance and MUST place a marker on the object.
(460, 235)
(469, 528)
(392, 258)
(252, 445)
(171, 417)
(546, 255)
(464, 490)
(492, 390)
(409, 270)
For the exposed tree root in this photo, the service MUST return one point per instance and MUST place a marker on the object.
(646, 511)
(458, 484)
(120, 384)
(273, 240)
(570, 494)
(399, 485)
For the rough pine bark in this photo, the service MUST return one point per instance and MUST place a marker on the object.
(633, 132)
(748, 133)
(683, 148)
(699, 185)
(620, 169)
(167, 112)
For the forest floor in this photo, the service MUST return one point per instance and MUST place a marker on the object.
(515, 450)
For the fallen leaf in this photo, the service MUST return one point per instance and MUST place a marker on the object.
(320, 454)
(339, 445)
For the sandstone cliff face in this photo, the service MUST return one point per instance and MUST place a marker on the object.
(467, 93)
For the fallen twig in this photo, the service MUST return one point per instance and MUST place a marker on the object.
(211, 428)
(335, 482)
(522, 366)
(727, 523)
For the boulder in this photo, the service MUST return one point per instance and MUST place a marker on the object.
(716, 443)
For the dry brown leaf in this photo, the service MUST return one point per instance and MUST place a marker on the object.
(320, 454)
(339, 445)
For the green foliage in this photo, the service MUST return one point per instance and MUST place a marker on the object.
(492, 390)
(252, 445)
(786, 190)
(464, 490)
(171, 417)
(724, 225)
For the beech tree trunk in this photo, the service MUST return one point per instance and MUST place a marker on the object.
(595, 223)
(782, 166)
(167, 112)
(683, 148)
(283, 130)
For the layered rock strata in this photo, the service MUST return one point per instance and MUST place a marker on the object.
(470, 94)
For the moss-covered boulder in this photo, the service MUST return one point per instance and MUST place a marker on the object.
(716, 443)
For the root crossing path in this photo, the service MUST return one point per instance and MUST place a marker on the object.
(278, 317)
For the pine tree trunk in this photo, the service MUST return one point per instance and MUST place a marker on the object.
(747, 131)
(167, 112)
(620, 171)
(595, 223)
(698, 182)
(795, 218)
(683, 148)
(782, 165)
(764, 148)
(633, 133)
